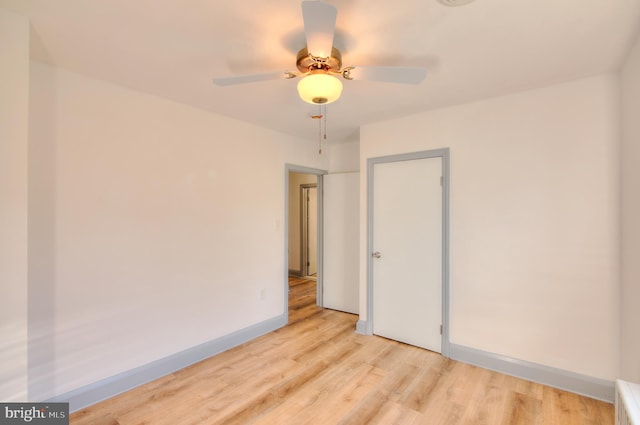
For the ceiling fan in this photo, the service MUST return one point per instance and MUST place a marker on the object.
(320, 63)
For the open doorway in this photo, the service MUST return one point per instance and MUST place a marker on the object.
(302, 224)
(304, 237)
(309, 230)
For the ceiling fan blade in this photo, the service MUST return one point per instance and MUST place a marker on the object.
(243, 79)
(319, 27)
(387, 74)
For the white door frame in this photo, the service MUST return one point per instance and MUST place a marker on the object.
(319, 173)
(367, 327)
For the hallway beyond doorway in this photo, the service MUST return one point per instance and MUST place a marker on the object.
(302, 299)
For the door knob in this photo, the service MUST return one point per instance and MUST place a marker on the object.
(376, 255)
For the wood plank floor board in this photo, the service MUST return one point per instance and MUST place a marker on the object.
(521, 409)
(397, 415)
(422, 390)
(317, 370)
(398, 381)
(375, 404)
(364, 380)
(489, 402)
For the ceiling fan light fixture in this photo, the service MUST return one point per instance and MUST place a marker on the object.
(319, 89)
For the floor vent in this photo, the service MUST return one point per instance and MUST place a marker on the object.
(627, 403)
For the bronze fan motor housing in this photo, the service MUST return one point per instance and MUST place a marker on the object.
(307, 62)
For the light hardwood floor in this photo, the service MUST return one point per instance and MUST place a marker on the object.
(317, 370)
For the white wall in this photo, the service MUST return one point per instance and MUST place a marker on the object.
(630, 179)
(14, 96)
(160, 225)
(534, 220)
(344, 157)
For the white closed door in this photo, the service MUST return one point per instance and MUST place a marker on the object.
(341, 276)
(407, 251)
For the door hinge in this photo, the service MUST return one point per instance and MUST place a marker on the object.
(440, 329)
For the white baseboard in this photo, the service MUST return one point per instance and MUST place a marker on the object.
(112, 386)
(296, 273)
(93, 393)
(589, 386)
(600, 389)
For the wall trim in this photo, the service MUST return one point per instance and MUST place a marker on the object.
(296, 273)
(362, 328)
(117, 384)
(585, 385)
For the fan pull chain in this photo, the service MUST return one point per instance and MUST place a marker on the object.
(320, 116)
(325, 121)
(322, 126)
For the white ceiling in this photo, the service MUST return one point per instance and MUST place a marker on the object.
(173, 48)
